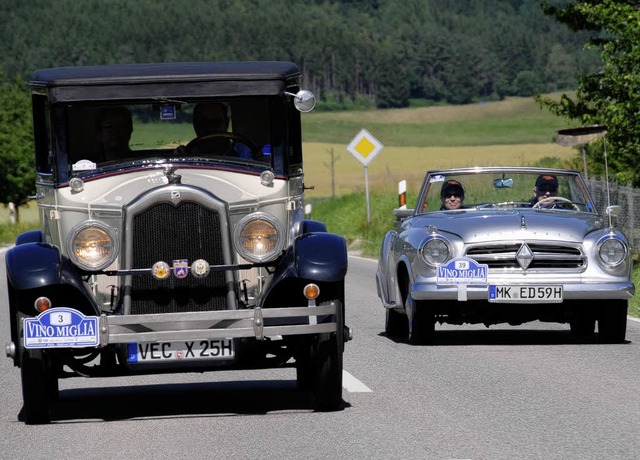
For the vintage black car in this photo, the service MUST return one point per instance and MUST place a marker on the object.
(173, 236)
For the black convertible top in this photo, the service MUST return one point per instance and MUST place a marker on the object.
(158, 80)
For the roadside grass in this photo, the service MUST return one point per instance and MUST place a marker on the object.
(394, 164)
(634, 303)
(29, 220)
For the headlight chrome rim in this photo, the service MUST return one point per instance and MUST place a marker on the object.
(97, 251)
(267, 237)
(609, 255)
(429, 251)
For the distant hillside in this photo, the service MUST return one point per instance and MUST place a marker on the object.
(352, 52)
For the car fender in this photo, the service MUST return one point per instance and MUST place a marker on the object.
(386, 275)
(32, 236)
(309, 226)
(40, 265)
(321, 256)
(404, 264)
(33, 265)
(316, 257)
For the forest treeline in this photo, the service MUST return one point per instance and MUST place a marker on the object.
(352, 52)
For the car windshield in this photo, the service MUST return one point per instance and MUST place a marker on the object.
(476, 191)
(229, 131)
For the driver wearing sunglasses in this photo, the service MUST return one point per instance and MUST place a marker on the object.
(451, 195)
(546, 186)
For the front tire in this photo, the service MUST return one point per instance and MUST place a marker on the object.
(612, 321)
(37, 386)
(304, 365)
(421, 322)
(395, 323)
(583, 326)
(327, 357)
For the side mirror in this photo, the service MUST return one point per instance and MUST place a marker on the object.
(402, 213)
(303, 100)
(613, 210)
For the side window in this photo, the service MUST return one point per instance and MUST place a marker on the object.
(294, 153)
(42, 134)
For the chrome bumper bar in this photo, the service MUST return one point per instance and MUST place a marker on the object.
(227, 324)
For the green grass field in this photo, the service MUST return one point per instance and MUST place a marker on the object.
(512, 132)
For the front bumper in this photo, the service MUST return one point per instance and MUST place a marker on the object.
(425, 289)
(257, 323)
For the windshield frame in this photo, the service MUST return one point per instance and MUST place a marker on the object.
(78, 119)
(484, 191)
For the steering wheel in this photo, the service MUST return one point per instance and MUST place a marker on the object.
(550, 199)
(215, 143)
(503, 204)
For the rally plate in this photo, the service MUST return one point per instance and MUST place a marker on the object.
(60, 327)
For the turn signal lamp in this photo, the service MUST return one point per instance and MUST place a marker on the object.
(42, 304)
(311, 291)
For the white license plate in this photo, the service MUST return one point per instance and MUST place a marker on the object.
(180, 351)
(524, 294)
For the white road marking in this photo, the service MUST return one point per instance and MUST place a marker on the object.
(353, 385)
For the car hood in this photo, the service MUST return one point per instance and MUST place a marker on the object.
(473, 226)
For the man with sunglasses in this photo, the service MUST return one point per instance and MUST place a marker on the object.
(451, 195)
(546, 186)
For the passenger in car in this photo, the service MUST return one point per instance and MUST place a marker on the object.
(546, 186)
(452, 195)
(113, 132)
(213, 118)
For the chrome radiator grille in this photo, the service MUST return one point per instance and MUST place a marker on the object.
(165, 232)
(541, 256)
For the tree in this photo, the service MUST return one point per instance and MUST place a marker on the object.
(17, 169)
(610, 96)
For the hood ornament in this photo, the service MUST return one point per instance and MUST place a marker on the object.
(172, 177)
(523, 223)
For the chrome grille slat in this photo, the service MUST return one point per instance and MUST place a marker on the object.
(546, 256)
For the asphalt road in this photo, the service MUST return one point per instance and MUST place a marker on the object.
(528, 392)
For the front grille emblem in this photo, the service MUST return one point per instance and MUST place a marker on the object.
(524, 256)
(200, 268)
(180, 268)
(160, 270)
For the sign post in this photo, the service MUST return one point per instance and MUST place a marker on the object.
(364, 147)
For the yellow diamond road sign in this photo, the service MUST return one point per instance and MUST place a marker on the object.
(364, 147)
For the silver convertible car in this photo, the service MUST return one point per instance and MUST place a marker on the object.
(505, 245)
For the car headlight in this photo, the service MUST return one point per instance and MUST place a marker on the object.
(611, 251)
(435, 251)
(92, 245)
(258, 237)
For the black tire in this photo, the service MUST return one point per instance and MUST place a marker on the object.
(305, 371)
(583, 326)
(421, 321)
(327, 357)
(37, 387)
(328, 385)
(396, 324)
(612, 321)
